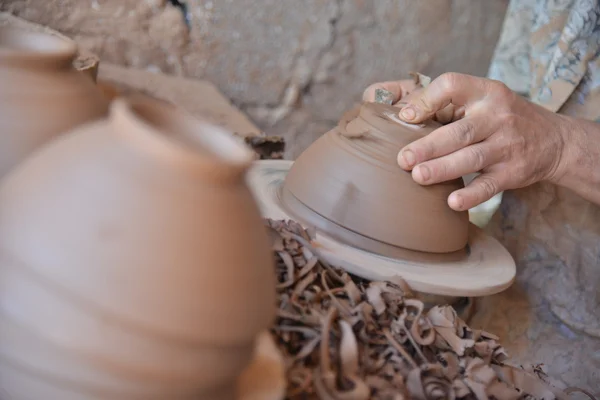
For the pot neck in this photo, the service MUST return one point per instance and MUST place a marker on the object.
(196, 147)
(35, 50)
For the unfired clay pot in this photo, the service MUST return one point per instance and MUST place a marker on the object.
(41, 94)
(349, 185)
(133, 262)
(368, 216)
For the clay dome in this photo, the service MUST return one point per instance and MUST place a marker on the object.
(349, 185)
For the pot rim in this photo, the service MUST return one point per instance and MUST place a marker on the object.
(171, 133)
(20, 45)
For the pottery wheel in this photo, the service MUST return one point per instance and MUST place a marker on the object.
(486, 268)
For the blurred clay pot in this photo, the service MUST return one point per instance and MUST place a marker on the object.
(42, 95)
(133, 262)
(348, 184)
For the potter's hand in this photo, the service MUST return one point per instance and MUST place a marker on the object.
(405, 90)
(511, 141)
(399, 89)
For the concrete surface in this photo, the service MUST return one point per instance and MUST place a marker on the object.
(197, 97)
(550, 315)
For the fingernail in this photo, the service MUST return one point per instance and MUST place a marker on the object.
(409, 158)
(456, 202)
(408, 113)
(424, 172)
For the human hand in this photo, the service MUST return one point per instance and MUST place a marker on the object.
(512, 142)
(399, 89)
(407, 89)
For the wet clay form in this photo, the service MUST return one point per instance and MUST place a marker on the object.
(134, 263)
(371, 217)
(42, 94)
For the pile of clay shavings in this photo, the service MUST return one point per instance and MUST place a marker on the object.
(350, 339)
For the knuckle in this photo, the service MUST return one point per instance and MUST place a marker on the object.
(518, 145)
(522, 172)
(424, 104)
(462, 133)
(443, 86)
(489, 186)
(477, 157)
(448, 81)
(498, 85)
(500, 90)
(510, 122)
(507, 150)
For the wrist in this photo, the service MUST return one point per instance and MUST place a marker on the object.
(575, 161)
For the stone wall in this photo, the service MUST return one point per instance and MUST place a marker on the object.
(293, 65)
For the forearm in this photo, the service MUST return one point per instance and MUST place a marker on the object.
(580, 161)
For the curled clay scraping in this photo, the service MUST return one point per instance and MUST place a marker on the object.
(345, 338)
(420, 79)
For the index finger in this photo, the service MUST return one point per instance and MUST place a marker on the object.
(448, 88)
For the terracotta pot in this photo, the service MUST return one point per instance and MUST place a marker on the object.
(134, 259)
(42, 95)
(349, 185)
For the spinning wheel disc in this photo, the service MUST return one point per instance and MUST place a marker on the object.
(487, 268)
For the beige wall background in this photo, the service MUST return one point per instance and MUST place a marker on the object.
(294, 66)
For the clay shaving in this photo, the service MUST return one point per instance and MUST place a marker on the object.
(384, 96)
(350, 339)
(420, 79)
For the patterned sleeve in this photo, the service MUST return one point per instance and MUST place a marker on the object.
(549, 51)
(511, 61)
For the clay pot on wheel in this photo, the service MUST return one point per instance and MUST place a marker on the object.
(41, 94)
(349, 185)
(133, 262)
(368, 216)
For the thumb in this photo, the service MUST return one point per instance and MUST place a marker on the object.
(448, 88)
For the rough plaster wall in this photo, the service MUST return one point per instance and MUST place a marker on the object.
(293, 65)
